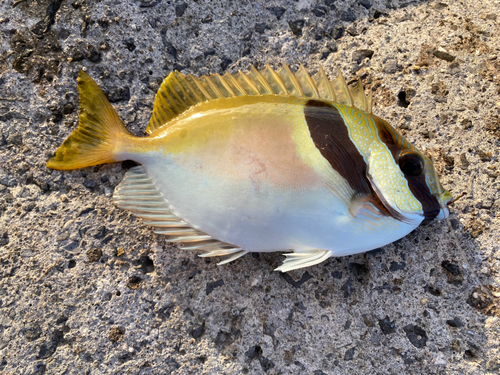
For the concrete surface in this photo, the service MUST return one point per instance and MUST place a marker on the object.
(86, 288)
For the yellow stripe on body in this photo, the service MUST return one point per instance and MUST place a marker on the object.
(382, 166)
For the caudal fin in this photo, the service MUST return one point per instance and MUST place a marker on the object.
(96, 139)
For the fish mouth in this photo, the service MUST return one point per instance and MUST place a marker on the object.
(443, 200)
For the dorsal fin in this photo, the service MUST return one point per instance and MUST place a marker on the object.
(179, 92)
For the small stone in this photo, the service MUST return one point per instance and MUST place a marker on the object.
(207, 19)
(68, 108)
(484, 156)
(247, 36)
(395, 266)
(348, 16)
(211, 286)
(148, 3)
(319, 11)
(361, 54)
(246, 51)
(337, 32)
(349, 354)
(464, 162)
(455, 323)
(451, 268)
(277, 12)
(466, 124)
(296, 27)
(32, 333)
(378, 14)
(443, 55)
(454, 67)
(129, 44)
(147, 265)
(387, 326)
(94, 255)
(416, 335)
(116, 334)
(198, 331)
(120, 94)
(209, 52)
(261, 28)
(120, 251)
(93, 54)
(180, 8)
(62, 237)
(428, 255)
(391, 67)
(134, 282)
(352, 31)
(104, 46)
(365, 3)
(91, 184)
(226, 61)
(15, 139)
(493, 364)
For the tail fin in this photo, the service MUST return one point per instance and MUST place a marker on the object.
(95, 139)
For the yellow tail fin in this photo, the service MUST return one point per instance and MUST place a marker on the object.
(99, 130)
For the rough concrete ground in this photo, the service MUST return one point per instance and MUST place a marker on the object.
(88, 289)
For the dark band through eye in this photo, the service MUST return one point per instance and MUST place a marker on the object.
(411, 165)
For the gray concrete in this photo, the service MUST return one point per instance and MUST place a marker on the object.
(88, 289)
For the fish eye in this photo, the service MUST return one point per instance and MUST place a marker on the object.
(411, 165)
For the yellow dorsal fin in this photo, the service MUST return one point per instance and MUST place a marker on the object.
(179, 92)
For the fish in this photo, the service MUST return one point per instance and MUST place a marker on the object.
(263, 161)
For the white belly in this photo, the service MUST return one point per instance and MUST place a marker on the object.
(260, 217)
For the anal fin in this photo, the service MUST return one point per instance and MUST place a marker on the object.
(138, 193)
(303, 259)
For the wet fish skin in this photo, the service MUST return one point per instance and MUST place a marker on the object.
(268, 161)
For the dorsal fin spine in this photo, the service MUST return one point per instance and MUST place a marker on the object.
(225, 84)
(369, 102)
(313, 86)
(179, 92)
(250, 83)
(294, 80)
(164, 112)
(185, 82)
(229, 77)
(331, 93)
(181, 87)
(342, 89)
(175, 95)
(168, 97)
(210, 84)
(262, 80)
(278, 80)
(200, 87)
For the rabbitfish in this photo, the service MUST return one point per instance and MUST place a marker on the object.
(263, 161)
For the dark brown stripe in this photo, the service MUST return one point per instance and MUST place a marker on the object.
(418, 186)
(330, 135)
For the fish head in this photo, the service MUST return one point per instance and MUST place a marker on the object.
(404, 178)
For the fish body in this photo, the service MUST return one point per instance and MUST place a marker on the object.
(308, 171)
